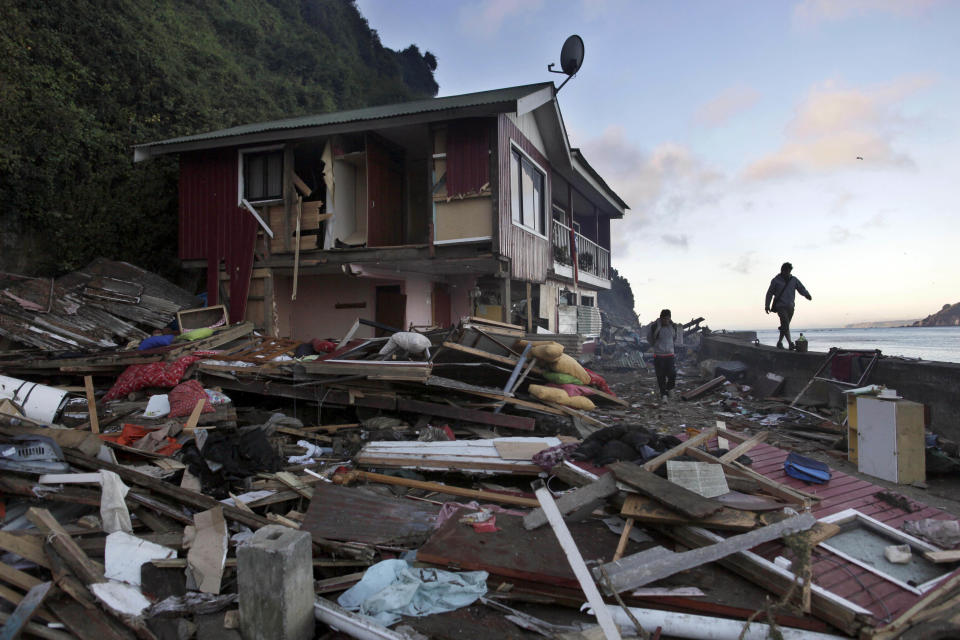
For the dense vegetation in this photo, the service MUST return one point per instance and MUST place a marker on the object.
(81, 81)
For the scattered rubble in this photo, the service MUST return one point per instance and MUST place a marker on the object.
(242, 484)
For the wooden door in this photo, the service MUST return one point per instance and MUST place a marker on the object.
(384, 197)
(441, 304)
(391, 308)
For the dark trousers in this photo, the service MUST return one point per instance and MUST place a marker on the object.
(666, 369)
(786, 315)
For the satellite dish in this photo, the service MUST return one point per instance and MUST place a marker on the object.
(571, 58)
(571, 55)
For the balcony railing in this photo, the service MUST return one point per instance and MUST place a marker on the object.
(591, 257)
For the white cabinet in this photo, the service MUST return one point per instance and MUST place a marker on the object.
(890, 440)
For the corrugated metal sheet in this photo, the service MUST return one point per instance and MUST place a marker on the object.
(213, 227)
(340, 513)
(357, 115)
(529, 253)
(832, 572)
(468, 156)
(588, 321)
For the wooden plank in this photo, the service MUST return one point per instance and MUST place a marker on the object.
(468, 415)
(938, 557)
(651, 565)
(841, 613)
(519, 450)
(575, 559)
(649, 511)
(576, 500)
(480, 353)
(91, 404)
(15, 597)
(27, 547)
(85, 569)
(680, 449)
(38, 630)
(17, 578)
(662, 490)
(772, 487)
(18, 620)
(476, 494)
(744, 446)
(195, 415)
(702, 389)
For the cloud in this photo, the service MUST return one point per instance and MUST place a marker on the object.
(813, 12)
(839, 204)
(486, 18)
(680, 240)
(743, 264)
(660, 186)
(730, 102)
(834, 126)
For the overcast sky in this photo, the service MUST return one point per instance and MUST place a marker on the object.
(733, 130)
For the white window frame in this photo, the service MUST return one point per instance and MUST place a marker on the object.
(514, 145)
(916, 544)
(240, 182)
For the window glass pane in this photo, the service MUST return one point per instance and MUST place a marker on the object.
(253, 185)
(538, 201)
(529, 203)
(515, 186)
(274, 175)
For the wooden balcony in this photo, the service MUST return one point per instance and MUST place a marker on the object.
(592, 259)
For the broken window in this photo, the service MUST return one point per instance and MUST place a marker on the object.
(263, 176)
(526, 192)
(862, 540)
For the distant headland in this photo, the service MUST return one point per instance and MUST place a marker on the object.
(881, 324)
(948, 316)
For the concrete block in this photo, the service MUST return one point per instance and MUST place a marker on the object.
(275, 585)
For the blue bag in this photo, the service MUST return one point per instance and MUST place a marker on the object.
(806, 469)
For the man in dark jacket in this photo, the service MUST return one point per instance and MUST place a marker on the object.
(663, 335)
(780, 298)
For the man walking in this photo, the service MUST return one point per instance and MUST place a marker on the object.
(663, 334)
(780, 299)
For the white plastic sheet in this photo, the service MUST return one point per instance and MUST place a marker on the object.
(393, 588)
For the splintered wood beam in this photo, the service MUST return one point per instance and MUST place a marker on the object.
(20, 617)
(680, 449)
(87, 570)
(655, 564)
(662, 490)
(744, 447)
(583, 498)
(649, 511)
(91, 404)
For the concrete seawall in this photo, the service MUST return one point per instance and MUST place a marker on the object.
(935, 384)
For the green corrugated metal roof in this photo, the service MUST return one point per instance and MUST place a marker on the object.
(369, 113)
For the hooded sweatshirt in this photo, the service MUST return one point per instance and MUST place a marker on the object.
(784, 289)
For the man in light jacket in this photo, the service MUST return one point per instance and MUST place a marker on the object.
(663, 335)
(780, 298)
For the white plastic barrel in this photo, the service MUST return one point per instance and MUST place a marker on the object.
(39, 402)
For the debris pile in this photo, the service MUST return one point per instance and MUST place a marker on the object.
(449, 483)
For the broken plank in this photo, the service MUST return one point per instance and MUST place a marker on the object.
(938, 557)
(25, 609)
(772, 487)
(583, 498)
(743, 447)
(680, 449)
(648, 511)
(91, 404)
(27, 547)
(649, 566)
(662, 490)
(17, 578)
(15, 597)
(86, 569)
(827, 606)
(38, 630)
(476, 494)
(468, 415)
(690, 394)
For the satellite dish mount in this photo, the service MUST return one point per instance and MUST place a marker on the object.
(571, 58)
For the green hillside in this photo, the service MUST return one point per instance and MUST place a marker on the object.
(82, 81)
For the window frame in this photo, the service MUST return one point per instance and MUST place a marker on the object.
(241, 173)
(515, 148)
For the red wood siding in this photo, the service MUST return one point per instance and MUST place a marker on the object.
(468, 156)
(529, 253)
(384, 198)
(832, 572)
(213, 227)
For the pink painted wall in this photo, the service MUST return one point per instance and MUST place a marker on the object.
(314, 315)
(460, 296)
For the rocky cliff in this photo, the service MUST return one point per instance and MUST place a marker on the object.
(948, 316)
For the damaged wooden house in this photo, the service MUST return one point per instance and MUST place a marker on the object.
(408, 215)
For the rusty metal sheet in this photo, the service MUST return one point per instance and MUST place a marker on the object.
(356, 515)
(514, 552)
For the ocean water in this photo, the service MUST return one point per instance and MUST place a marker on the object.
(927, 343)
